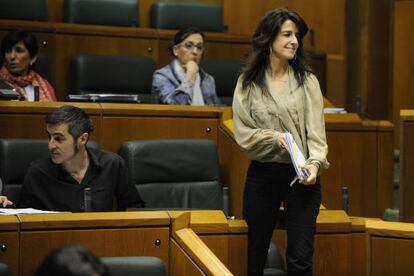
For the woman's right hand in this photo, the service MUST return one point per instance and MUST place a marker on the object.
(191, 69)
(281, 140)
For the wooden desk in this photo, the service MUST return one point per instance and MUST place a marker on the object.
(186, 241)
(390, 248)
(333, 246)
(105, 234)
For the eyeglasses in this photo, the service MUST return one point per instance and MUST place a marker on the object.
(190, 46)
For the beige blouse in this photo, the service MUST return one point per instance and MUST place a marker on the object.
(260, 118)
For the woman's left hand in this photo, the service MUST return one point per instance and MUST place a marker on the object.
(313, 173)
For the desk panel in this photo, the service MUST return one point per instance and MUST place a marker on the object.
(35, 245)
(127, 129)
(9, 242)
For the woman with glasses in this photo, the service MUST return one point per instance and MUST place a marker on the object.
(182, 81)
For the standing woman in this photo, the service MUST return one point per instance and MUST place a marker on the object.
(19, 52)
(277, 93)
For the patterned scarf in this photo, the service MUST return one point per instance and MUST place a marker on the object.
(46, 91)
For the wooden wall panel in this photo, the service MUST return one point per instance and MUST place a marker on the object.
(33, 126)
(403, 61)
(234, 164)
(358, 265)
(345, 170)
(391, 256)
(407, 171)
(55, 10)
(368, 25)
(128, 129)
(238, 252)
(10, 253)
(219, 244)
(331, 247)
(34, 246)
(181, 263)
(336, 80)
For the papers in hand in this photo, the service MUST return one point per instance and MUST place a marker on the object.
(297, 157)
(7, 211)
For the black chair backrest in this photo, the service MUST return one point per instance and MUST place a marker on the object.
(225, 73)
(15, 158)
(4, 270)
(134, 265)
(102, 12)
(181, 173)
(35, 10)
(112, 74)
(170, 15)
(42, 67)
(16, 155)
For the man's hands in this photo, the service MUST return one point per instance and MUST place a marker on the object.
(4, 201)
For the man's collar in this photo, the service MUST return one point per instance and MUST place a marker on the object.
(93, 160)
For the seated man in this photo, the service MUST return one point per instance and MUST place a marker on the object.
(58, 182)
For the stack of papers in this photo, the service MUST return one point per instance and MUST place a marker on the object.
(334, 110)
(297, 157)
(7, 211)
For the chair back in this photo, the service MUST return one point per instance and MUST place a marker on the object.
(5, 270)
(42, 67)
(225, 73)
(112, 74)
(102, 12)
(181, 173)
(135, 265)
(174, 15)
(34, 10)
(15, 158)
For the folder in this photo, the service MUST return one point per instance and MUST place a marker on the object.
(297, 156)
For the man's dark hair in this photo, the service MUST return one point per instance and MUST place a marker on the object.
(77, 120)
(71, 261)
(14, 37)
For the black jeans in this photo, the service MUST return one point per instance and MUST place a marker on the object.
(267, 185)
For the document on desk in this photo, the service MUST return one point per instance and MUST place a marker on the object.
(8, 211)
(297, 158)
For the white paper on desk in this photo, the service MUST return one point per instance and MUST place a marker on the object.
(8, 211)
(297, 157)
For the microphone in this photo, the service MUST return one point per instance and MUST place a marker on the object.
(87, 200)
(36, 93)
